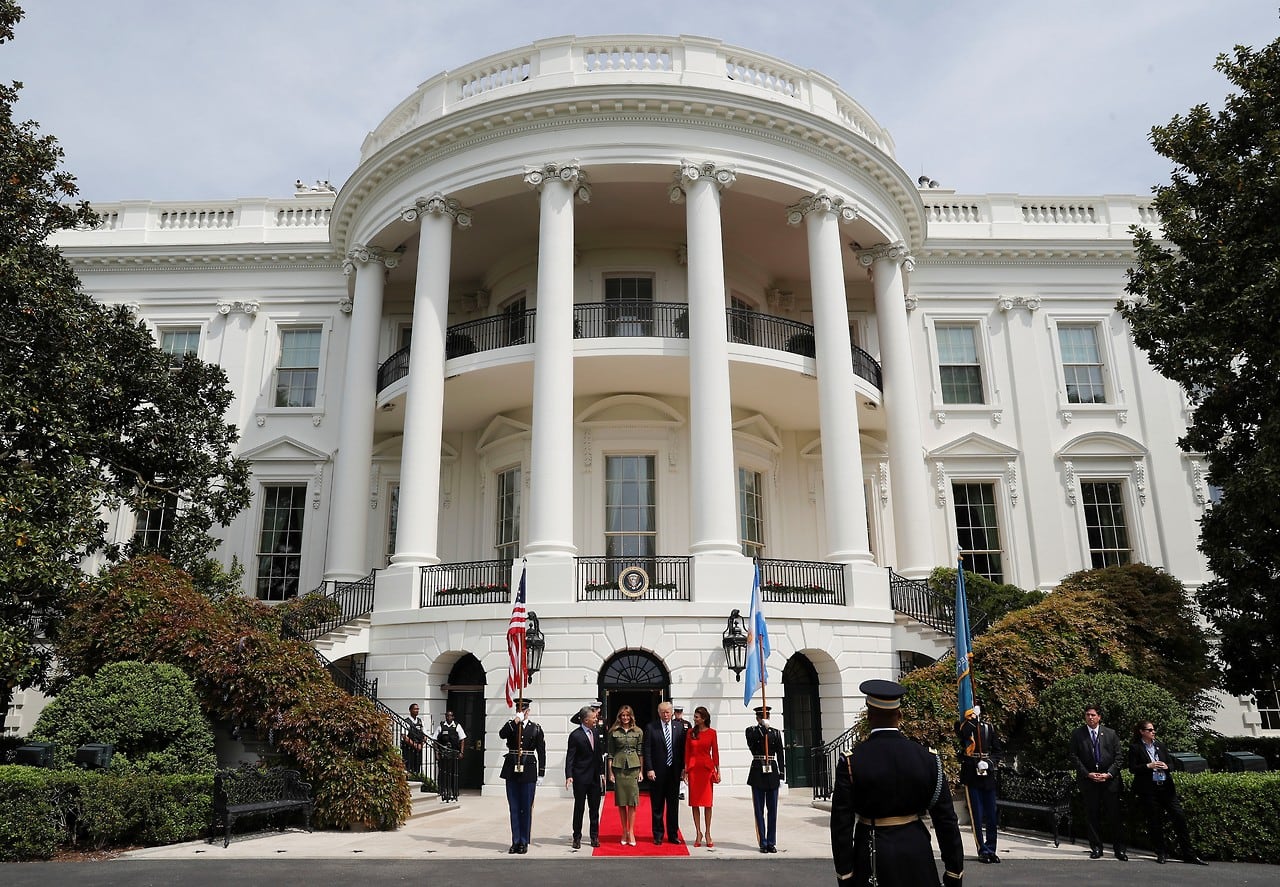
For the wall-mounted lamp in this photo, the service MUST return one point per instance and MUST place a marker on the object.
(735, 644)
(534, 643)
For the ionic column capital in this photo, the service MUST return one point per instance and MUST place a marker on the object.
(821, 202)
(691, 172)
(436, 204)
(367, 255)
(894, 252)
(570, 173)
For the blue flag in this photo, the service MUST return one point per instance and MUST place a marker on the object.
(757, 643)
(964, 648)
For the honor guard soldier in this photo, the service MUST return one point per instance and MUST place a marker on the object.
(767, 772)
(524, 763)
(882, 788)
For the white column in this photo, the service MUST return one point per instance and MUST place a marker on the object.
(551, 457)
(909, 476)
(714, 475)
(349, 515)
(847, 535)
(417, 527)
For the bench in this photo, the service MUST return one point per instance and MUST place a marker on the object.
(249, 790)
(1048, 793)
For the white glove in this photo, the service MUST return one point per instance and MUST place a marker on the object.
(764, 724)
(983, 766)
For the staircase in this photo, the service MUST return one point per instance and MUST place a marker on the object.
(348, 639)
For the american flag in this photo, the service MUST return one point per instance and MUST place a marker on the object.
(517, 675)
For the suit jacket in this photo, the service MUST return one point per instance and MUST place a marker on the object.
(655, 750)
(1081, 753)
(986, 746)
(583, 762)
(529, 738)
(889, 775)
(757, 778)
(1144, 783)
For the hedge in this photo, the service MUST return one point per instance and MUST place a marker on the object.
(1231, 816)
(1213, 746)
(43, 811)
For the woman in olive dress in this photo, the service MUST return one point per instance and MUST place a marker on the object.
(702, 770)
(625, 763)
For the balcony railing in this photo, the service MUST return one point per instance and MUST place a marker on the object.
(668, 579)
(460, 585)
(801, 582)
(613, 320)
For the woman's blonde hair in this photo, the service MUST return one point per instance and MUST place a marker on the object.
(617, 721)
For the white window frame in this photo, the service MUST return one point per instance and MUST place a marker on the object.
(1131, 529)
(308, 521)
(164, 328)
(979, 470)
(1267, 712)
(982, 345)
(271, 360)
(997, 484)
(521, 491)
(510, 448)
(1103, 334)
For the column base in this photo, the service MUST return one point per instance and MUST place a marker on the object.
(342, 574)
(867, 588)
(550, 549)
(397, 588)
(725, 548)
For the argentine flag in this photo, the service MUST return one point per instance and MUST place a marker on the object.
(757, 643)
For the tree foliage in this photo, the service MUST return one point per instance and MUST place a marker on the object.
(245, 674)
(147, 710)
(989, 602)
(93, 416)
(1206, 307)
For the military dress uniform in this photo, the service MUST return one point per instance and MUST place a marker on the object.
(521, 769)
(767, 772)
(882, 788)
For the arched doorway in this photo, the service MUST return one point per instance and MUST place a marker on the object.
(466, 701)
(634, 678)
(801, 717)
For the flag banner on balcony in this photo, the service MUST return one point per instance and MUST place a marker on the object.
(964, 648)
(517, 665)
(757, 643)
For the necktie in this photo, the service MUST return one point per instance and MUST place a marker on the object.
(1097, 753)
(666, 730)
(591, 737)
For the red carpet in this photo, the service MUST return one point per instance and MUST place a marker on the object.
(611, 831)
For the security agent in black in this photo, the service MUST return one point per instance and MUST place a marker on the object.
(882, 788)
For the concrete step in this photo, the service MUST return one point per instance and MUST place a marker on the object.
(429, 804)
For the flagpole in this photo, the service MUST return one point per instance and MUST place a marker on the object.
(764, 699)
(968, 801)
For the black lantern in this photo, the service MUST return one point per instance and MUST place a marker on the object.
(534, 644)
(735, 644)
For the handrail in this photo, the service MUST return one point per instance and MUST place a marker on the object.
(823, 760)
(801, 582)
(354, 599)
(915, 598)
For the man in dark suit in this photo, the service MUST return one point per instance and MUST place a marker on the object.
(980, 751)
(1095, 753)
(664, 753)
(524, 762)
(881, 788)
(584, 773)
(766, 775)
(1153, 786)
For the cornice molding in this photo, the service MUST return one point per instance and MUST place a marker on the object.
(989, 252)
(183, 262)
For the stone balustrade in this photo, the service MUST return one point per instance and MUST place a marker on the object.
(1014, 216)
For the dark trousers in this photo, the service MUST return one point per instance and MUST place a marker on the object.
(1096, 796)
(982, 807)
(1157, 805)
(412, 758)
(664, 796)
(448, 776)
(587, 793)
(520, 803)
(765, 802)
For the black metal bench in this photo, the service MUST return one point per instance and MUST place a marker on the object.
(250, 790)
(1048, 793)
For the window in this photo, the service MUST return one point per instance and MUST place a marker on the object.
(631, 513)
(298, 369)
(959, 371)
(751, 512)
(629, 305)
(179, 342)
(1105, 523)
(741, 321)
(393, 519)
(507, 529)
(516, 322)
(978, 529)
(1268, 700)
(280, 542)
(155, 525)
(1082, 364)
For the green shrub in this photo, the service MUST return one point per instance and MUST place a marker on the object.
(1231, 816)
(148, 711)
(32, 824)
(1122, 701)
(1213, 746)
(989, 602)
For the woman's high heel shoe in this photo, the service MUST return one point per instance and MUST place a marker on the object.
(697, 842)
(710, 843)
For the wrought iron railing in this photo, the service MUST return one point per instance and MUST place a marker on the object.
(801, 582)
(464, 584)
(488, 333)
(867, 367)
(352, 681)
(779, 333)
(612, 320)
(434, 755)
(394, 368)
(352, 600)
(937, 609)
(668, 578)
(823, 760)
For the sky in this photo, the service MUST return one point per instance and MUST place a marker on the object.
(173, 100)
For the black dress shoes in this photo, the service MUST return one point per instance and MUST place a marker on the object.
(577, 843)
(515, 848)
(1194, 860)
(1160, 858)
(984, 858)
(1122, 856)
(595, 842)
(1095, 854)
(522, 848)
(657, 842)
(764, 849)
(675, 840)
(772, 849)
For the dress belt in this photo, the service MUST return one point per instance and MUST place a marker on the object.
(888, 821)
(764, 757)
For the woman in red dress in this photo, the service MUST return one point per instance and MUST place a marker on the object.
(701, 771)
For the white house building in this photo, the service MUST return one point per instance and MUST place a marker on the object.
(656, 302)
